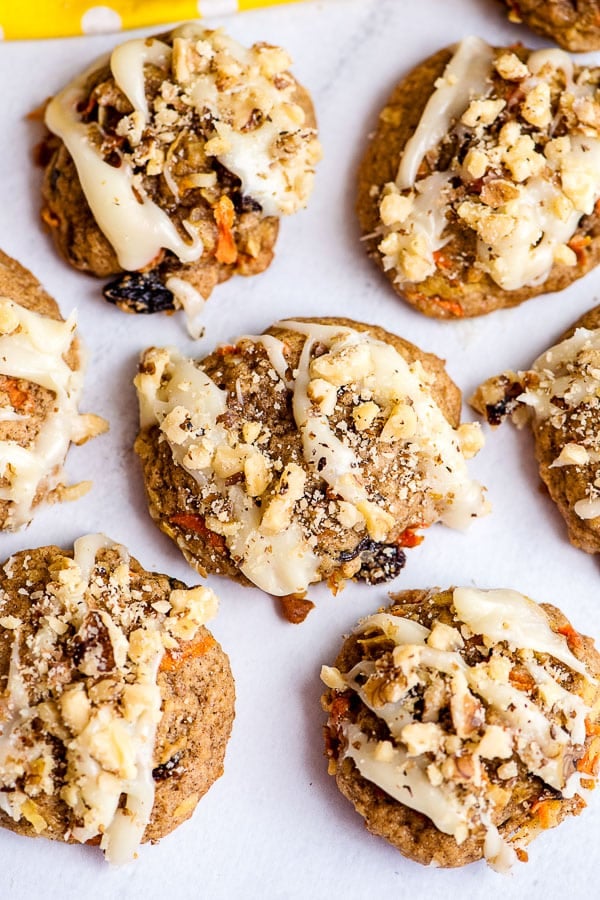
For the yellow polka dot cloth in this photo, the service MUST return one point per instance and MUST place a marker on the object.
(21, 19)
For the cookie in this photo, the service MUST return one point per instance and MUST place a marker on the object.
(203, 142)
(478, 189)
(559, 398)
(311, 452)
(41, 379)
(573, 25)
(464, 722)
(118, 702)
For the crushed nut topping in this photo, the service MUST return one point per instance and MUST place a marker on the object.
(349, 447)
(447, 724)
(518, 166)
(82, 701)
(168, 130)
(36, 347)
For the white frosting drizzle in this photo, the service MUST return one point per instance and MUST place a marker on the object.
(127, 63)
(466, 76)
(286, 562)
(541, 744)
(400, 777)
(392, 380)
(136, 230)
(281, 563)
(35, 351)
(505, 615)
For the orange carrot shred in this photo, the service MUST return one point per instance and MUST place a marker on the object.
(573, 637)
(224, 217)
(590, 763)
(49, 218)
(441, 260)
(18, 397)
(578, 245)
(450, 306)
(546, 812)
(592, 727)
(409, 538)
(174, 659)
(193, 522)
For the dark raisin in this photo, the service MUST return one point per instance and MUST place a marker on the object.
(243, 203)
(139, 292)
(495, 412)
(92, 644)
(166, 770)
(379, 562)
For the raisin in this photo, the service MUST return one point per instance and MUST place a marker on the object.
(166, 770)
(139, 292)
(379, 562)
(495, 412)
(243, 203)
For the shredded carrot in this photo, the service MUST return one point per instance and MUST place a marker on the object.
(408, 538)
(226, 349)
(18, 397)
(441, 260)
(522, 855)
(49, 218)
(449, 306)
(592, 727)
(339, 709)
(192, 522)
(590, 763)
(224, 217)
(523, 681)
(573, 637)
(174, 659)
(546, 812)
(578, 245)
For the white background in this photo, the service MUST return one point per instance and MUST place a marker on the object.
(275, 826)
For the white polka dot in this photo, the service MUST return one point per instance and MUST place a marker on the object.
(1, 33)
(216, 7)
(99, 19)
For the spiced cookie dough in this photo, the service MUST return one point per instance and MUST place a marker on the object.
(172, 159)
(41, 379)
(311, 452)
(574, 24)
(479, 187)
(464, 722)
(559, 398)
(117, 702)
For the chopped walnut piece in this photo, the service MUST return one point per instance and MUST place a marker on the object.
(365, 414)
(324, 394)
(289, 490)
(482, 112)
(422, 737)
(401, 424)
(395, 208)
(536, 108)
(476, 162)
(498, 192)
(257, 474)
(510, 67)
